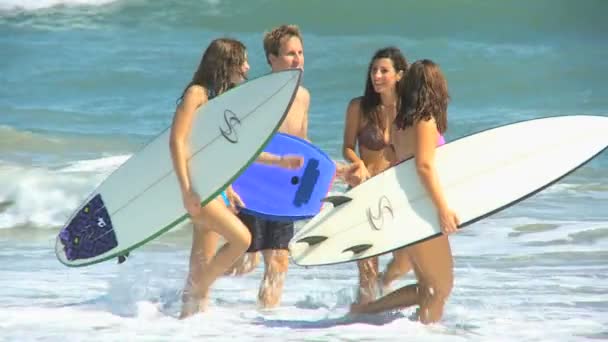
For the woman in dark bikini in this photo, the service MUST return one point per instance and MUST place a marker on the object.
(368, 120)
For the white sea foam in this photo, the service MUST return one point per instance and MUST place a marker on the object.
(45, 197)
(141, 300)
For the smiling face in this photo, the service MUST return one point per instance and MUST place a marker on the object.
(290, 55)
(384, 76)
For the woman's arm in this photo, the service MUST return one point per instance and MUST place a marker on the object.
(358, 173)
(351, 126)
(426, 142)
(194, 98)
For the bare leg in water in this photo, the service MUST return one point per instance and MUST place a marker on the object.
(275, 268)
(245, 264)
(276, 262)
(204, 246)
(368, 280)
(398, 267)
(433, 265)
(217, 217)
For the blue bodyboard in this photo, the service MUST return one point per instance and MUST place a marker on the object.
(281, 194)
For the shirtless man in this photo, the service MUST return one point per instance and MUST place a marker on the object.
(283, 48)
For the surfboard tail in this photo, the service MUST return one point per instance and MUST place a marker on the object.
(337, 200)
(89, 233)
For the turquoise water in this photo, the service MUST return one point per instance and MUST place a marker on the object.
(85, 83)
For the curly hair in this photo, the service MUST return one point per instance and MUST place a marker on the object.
(223, 58)
(273, 39)
(424, 95)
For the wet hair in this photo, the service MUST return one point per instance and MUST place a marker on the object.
(223, 58)
(370, 102)
(423, 95)
(274, 38)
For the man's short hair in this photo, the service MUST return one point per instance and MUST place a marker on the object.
(273, 39)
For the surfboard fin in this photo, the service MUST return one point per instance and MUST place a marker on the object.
(337, 200)
(358, 249)
(313, 240)
(123, 258)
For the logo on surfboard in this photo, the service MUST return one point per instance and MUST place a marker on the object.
(231, 120)
(377, 221)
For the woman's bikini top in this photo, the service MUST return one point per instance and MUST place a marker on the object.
(371, 137)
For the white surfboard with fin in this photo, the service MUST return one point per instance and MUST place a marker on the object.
(142, 199)
(480, 174)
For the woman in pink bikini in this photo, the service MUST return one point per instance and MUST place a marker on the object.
(420, 121)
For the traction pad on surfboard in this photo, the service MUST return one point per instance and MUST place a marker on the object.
(308, 181)
(89, 233)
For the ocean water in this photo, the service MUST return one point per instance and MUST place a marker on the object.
(85, 83)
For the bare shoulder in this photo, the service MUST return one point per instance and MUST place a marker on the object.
(426, 128)
(303, 95)
(195, 95)
(354, 105)
(196, 90)
(426, 124)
